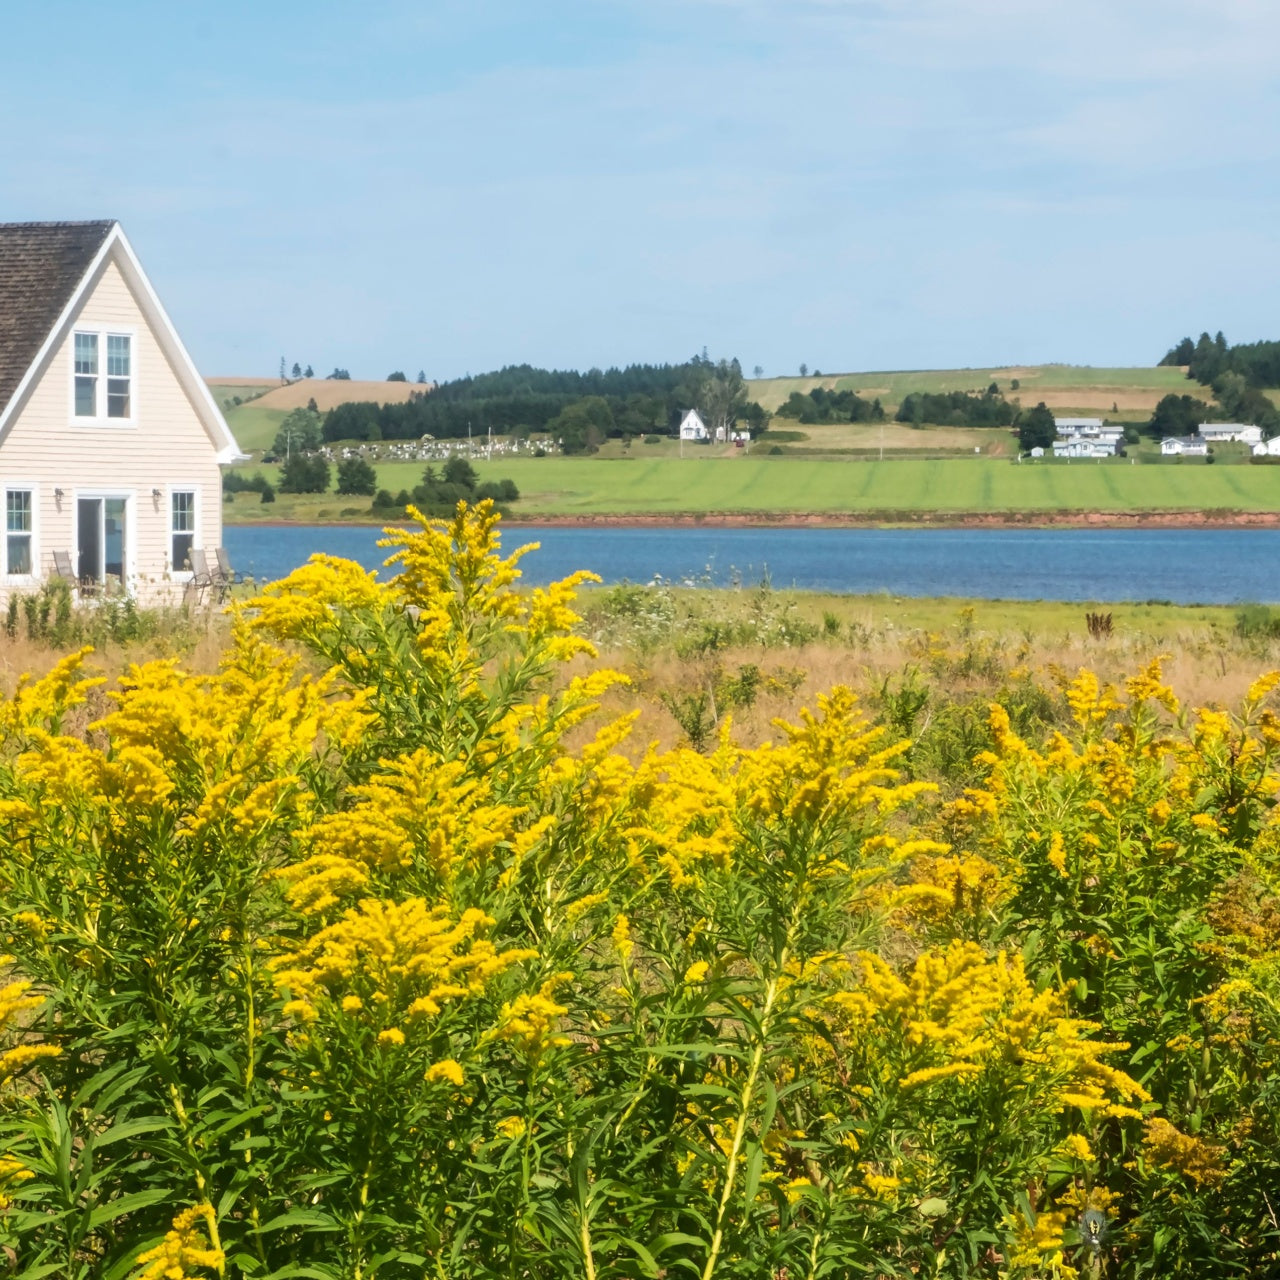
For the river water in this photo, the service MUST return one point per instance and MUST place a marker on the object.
(1200, 566)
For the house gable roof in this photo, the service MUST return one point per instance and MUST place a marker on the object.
(47, 270)
(41, 264)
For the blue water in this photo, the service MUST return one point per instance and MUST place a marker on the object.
(1206, 566)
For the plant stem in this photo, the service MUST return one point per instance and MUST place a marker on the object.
(740, 1128)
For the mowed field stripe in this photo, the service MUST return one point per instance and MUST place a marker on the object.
(569, 486)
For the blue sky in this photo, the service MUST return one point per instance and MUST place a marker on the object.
(856, 184)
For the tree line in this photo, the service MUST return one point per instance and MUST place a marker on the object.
(1236, 375)
(958, 408)
(821, 405)
(582, 409)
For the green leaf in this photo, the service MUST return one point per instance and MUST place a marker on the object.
(129, 1203)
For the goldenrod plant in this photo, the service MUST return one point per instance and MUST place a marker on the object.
(387, 951)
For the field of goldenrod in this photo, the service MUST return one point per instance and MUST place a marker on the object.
(385, 951)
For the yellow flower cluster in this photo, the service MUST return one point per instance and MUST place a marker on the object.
(958, 1013)
(530, 1021)
(13, 1173)
(15, 1001)
(41, 704)
(1038, 1243)
(1166, 1147)
(313, 597)
(832, 763)
(401, 961)
(185, 1250)
(421, 812)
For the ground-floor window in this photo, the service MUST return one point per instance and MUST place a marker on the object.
(182, 506)
(18, 530)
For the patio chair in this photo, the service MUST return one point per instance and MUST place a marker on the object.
(202, 579)
(64, 569)
(229, 576)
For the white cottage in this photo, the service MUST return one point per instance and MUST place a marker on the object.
(1184, 446)
(692, 427)
(1245, 433)
(110, 442)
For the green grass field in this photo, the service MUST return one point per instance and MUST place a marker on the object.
(254, 428)
(568, 486)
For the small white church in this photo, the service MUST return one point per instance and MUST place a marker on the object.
(692, 427)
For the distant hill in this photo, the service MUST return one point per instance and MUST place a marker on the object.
(1126, 394)
(263, 402)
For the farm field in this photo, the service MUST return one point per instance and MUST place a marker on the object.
(1133, 392)
(758, 486)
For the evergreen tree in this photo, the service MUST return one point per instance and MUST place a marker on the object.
(304, 473)
(1036, 429)
(356, 476)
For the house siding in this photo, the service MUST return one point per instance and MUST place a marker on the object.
(165, 448)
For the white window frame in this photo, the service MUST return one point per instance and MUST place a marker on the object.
(130, 498)
(100, 419)
(22, 486)
(181, 575)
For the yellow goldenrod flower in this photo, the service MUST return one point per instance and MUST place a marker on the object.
(185, 1250)
(447, 1070)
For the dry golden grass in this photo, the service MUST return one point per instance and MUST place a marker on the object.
(1094, 401)
(329, 393)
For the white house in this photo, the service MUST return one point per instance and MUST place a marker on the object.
(1086, 438)
(1267, 448)
(1079, 447)
(1184, 446)
(692, 427)
(1226, 431)
(110, 442)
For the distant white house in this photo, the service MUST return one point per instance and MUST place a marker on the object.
(1226, 431)
(1184, 446)
(692, 427)
(1080, 447)
(1086, 438)
(1037, 452)
(1267, 448)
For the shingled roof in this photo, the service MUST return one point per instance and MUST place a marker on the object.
(41, 263)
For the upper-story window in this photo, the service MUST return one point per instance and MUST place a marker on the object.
(86, 375)
(96, 396)
(119, 376)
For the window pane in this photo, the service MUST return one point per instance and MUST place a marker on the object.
(117, 397)
(118, 355)
(86, 397)
(17, 510)
(19, 553)
(184, 512)
(182, 544)
(86, 353)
